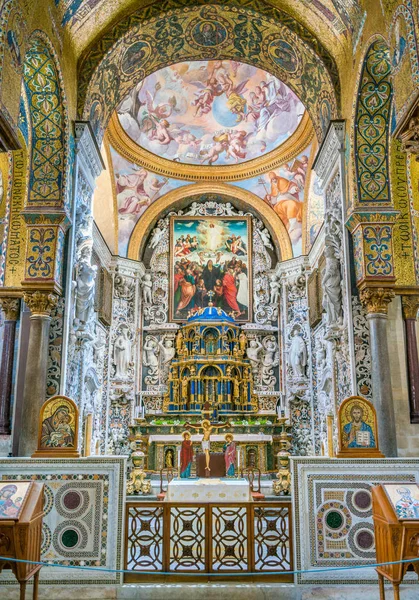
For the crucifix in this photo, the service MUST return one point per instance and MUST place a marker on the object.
(210, 295)
(207, 429)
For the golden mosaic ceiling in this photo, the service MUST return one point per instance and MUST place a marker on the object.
(329, 20)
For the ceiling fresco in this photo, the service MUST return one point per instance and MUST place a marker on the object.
(135, 189)
(210, 112)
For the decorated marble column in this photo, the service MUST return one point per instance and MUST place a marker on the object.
(376, 301)
(40, 305)
(10, 308)
(410, 306)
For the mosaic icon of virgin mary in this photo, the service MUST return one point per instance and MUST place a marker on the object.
(56, 429)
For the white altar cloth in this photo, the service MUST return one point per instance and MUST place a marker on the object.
(208, 490)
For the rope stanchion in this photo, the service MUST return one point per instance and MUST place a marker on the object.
(212, 574)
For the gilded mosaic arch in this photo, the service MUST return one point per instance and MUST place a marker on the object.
(248, 200)
(372, 120)
(49, 149)
(159, 36)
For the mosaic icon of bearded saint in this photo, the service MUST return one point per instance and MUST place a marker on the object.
(357, 433)
(56, 430)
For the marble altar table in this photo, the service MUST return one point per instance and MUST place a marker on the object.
(214, 490)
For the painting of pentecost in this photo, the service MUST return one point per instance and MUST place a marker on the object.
(210, 254)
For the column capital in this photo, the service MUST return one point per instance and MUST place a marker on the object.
(410, 306)
(377, 299)
(40, 303)
(10, 307)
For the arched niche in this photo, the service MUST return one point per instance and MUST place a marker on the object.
(181, 197)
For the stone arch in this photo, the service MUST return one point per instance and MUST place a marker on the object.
(372, 122)
(256, 35)
(248, 201)
(49, 151)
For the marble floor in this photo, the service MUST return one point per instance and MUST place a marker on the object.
(267, 591)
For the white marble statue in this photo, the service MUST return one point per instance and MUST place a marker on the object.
(332, 293)
(122, 353)
(193, 209)
(156, 236)
(275, 289)
(270, 356)
(266, 238)
(252, 353)
(85, 287)
(298, 354)
(167, 349)
(147, 287)
(151, 351)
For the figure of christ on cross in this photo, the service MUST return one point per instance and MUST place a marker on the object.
(207, 429)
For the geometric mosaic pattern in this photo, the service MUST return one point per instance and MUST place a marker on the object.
(333, 514)
(83, 508)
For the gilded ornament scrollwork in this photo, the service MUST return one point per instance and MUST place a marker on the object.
(376, 300)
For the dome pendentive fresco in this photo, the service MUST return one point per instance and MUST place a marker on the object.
(210, 112)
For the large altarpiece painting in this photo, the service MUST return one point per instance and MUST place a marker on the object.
(210, 260)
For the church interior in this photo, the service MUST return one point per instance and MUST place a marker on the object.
(209, 296)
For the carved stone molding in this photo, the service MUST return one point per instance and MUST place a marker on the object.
(332, 145)
(10, 307)
(410, 305)
(376, 300)
(40, 303)
(88, 150)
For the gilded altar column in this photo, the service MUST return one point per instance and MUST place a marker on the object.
(376, 301)
(10, 308)
(410, 306)
(40, 305)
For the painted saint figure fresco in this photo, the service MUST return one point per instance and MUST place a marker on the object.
(210, 255)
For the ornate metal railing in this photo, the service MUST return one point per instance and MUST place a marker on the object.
(166, 539)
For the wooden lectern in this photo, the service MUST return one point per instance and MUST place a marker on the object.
(21, 512)
(396, 524)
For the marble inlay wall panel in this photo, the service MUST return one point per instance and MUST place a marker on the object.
(333, 514)
(83, 514)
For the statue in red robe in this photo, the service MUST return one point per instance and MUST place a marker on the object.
(186, 455)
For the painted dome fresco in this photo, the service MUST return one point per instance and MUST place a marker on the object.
(210, 112)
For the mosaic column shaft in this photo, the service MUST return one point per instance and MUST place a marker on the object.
(410, 310)
(376, 301)
(40, 304)
(10, 307)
